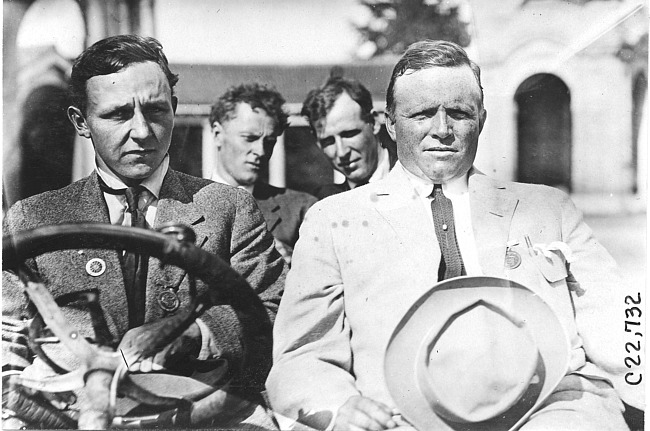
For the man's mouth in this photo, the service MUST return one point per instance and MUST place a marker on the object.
(349, 166)
(442, 149)
(140, 153)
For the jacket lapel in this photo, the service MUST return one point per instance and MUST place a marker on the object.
(269, 205)
(492, 207)
(175, 205)
(92, 208)
(400, 205)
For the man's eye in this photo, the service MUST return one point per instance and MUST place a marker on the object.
(120, 114)
(458, 114)
(350, 133)
(157, 110)
(326, 142)
(270, 142)
(423, 115)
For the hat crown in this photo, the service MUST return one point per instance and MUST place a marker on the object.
(461, 315)
(478, 365)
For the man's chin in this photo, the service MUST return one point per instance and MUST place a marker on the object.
(248, 181)
(136, 175)
(357, 178)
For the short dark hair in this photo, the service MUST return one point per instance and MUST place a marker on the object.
(111, 55)
(319, 101)
(426, 54)
(258, 96)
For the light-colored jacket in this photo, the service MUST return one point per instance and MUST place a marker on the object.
(365, 256)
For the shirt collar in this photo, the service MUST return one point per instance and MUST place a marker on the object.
(153, 182)
(457, 186)
(219, 179)
(383, 166)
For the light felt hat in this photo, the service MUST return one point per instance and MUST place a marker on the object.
(475, 353)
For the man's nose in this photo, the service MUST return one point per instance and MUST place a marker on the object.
(342, 150)
(440, 127)
(257, 147)
(139, 126)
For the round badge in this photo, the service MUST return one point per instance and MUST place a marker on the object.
(513, 259)
(95, 267)
(168, 300)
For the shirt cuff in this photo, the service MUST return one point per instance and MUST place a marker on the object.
(208, 345)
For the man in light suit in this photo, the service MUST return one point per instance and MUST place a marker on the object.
(342, 118)
(246, 122)
(124, 103)
(365, 256)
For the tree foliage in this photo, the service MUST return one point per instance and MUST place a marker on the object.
(395, 24)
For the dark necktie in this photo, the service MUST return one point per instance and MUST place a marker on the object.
(134, 265)
(451, 262)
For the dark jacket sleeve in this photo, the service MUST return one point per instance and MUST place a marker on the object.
(15, 351)
(252, 255)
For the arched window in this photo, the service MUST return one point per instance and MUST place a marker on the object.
(544, 131)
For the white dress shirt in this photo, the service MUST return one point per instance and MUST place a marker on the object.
(457, 191)
(148, 202)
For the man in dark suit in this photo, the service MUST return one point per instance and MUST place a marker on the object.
(124, 103)
(341, 116)
(246, 122)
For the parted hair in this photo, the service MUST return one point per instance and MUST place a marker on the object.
(111, 55)
(319, 101)
(426, 54)
(258, 96)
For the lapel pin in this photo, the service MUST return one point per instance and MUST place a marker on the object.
(168, 300)
(95, 267)
(513, 259)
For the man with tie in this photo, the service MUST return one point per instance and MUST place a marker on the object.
(365, 256)
(341, 116)
(123, 92)
(246, 122)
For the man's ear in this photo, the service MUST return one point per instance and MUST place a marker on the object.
(376, 125)
(481, 120)
(390, 127)
(217, 133)
(78, 121)
(174, 103)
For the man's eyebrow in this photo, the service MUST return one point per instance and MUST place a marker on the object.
(155, 102)
(116, 107)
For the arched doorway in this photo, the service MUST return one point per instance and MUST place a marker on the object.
(544, 131)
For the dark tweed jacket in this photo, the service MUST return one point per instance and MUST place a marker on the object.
(283, 209)
(227, 223)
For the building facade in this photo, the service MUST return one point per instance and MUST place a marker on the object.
(565, 89)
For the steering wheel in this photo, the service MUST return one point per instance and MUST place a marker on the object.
(103, 371)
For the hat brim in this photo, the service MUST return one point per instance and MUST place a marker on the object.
(165, 385)
(433, 308)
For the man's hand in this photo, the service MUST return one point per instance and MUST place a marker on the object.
(361, 413)
(188, 343)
